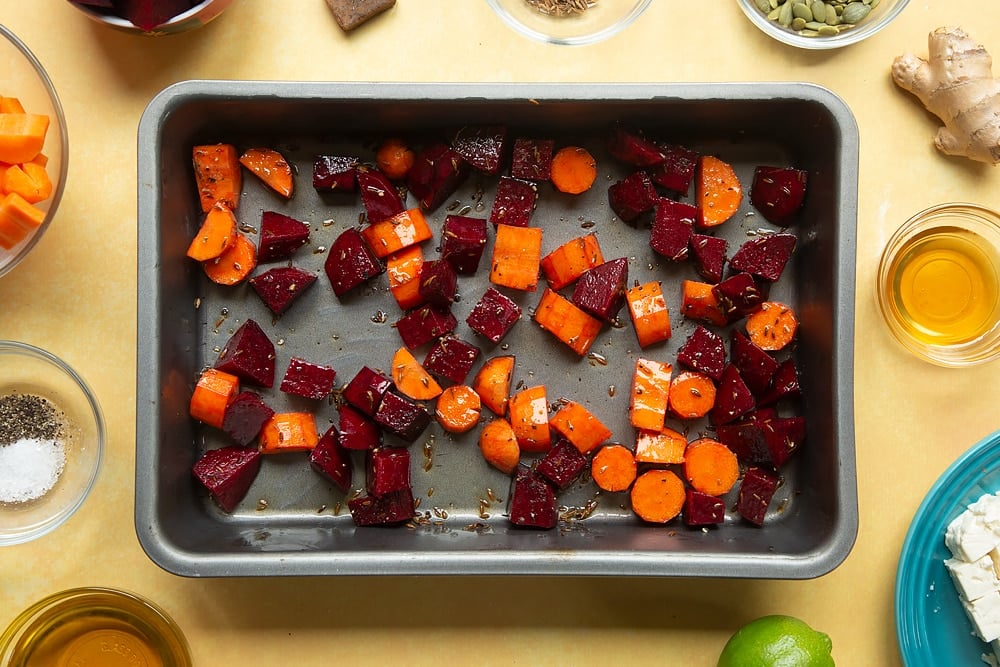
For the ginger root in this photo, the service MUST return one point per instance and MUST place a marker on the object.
(956, 84)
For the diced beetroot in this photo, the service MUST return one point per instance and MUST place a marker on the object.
(738, 295)
(366, 389)
(756, 491)
(778, 193)
(335, 173)
(756, 366)
(331, 460)
(764, 256)
(784, 436)
(424, 325)
(227, 473)
(514, 202)
(632, 196)
(244, 417)
(350, 262)
(308, 380)
(677, 170)
(280, 236)
(392, 508)
(149, 15)
(438, 283)
(388, 470)
(357, 431)
(532, 159)
(562, 464)
(732, 397)
(493, 315)
(481, 146)
(709, 255)
(705, 351)
(451, 359)
(673, 224)
(632, 148)
(378, 194)
(784, 384)
(701, 509)
(279, 287)
(463, 240)
(600, 291)
(746, 437)
(402, 417)
(249, 355)
(532, 501)
(436, 173)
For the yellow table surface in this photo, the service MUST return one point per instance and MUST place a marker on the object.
(75, 295)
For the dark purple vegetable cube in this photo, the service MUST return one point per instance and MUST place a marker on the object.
(732, 397)
(227, 473)
(463, 240)
(709, 256)
(784, 384)
(701, 509)
(756, 366)
(402, 417)
(357, 431)
(784, 436)
(388, 470)
(677, 170)
(245, 417)
(350, 262)
(600, 291)
(332, 460)
(249, 355)
(705, 351)
(335, 173)
(436, 173)
(424, 325)
(366, 389)
(764, 256)
(746, 437)
(481, 146)
(308, 380)
(673, 224)
(632, 148)
(532, 501)
(387, 510)
(493, 315)
(778, 193)
(514, 202)
(280, 236)
(756, 490)
(562, 464)
(738, 295)
(279, 287)
(451, 359)
(437, 283)
(632, 196)
(379, 196)
(532, 159)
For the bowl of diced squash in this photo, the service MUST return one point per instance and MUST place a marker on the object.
(33, 143)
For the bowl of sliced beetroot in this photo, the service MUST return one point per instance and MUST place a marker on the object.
(513, 330)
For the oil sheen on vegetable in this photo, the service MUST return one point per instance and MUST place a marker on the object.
(946, 287)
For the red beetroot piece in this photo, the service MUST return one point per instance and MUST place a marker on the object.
(331, 460)
(764, 256)
(308, 380)
(739, 295)
(150, 14)
(784, 436)
(732, 397)
(701, 509)
(451, 359)
(402, 417)
(279, 287)
(249, 355)
(366, 389)
(709, 256)
(436, 173)
(379, 196)
(746, 437)
(481, 146)
(493, 315)
(350, 262)
(424, 325)
(463, 240)
(600, 291)
(705, 351)
(335, 173)
(388, 510)
(280, 236)
(677, 170)
(244, 417)
(632, 196)
(388, 470)
(514, 202)
(562, 464)
(632, 148)
(437, 283)
(784, 384)
(357, 431)
(227, 473)
(532, 159)
(673, 224)
(756, 490)
(778, 193)
(532, 501)
(756, 366)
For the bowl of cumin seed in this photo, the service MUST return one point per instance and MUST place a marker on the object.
(569, 22)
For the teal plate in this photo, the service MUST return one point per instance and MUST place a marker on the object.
(931, 625)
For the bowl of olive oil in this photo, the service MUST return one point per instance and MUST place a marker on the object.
(939, 284)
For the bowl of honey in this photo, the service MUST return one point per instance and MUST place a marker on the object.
(938, 284)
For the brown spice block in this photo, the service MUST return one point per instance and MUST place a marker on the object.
(349, 14)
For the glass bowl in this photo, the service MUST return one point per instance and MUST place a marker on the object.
(598, 20)
(24, 78)
(94, 626)
(881, 14)
(938, 284)
(40, 497)
(193, 18)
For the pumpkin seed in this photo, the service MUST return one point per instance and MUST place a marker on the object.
(818, 8)
(798, 23)
(855, 11)
(773, 14)
(763, 5)
(827, 30)
(833, 18)
(785, 15)
(802, 11)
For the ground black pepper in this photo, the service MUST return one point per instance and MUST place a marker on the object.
(26, 416)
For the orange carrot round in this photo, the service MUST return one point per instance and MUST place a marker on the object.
(772, 326)
(411, 378)
(394, 159)
(710, 466)
(458, 408)
(492, 383)
(235, 264)
(613, 468)
(692, 395)
(657, 496)
(498, 445)
(574, 170)
(271, 167)
(216, 235)
(717, 191)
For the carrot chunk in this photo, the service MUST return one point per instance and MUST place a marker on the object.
(569, 261)
(717, 191)
(403, 271)
(217, 234)
(498, 445)
(233, 265)
(560, 317)
(650, 392)
(529, 417)
(458, 408)
(710, 466)
(212, 394)
(613, 468)
(663, 447)
(11, 105)
(394, 158)
(492, 383)
(699, 303)
(411, 378)
(289, 432)
(218, 175)
(517, 253)
(574, 170)
(692, 395)
(22, 136)
(578, 425)
(773, 326)
(18, 218)
(657, 496)
(30, 180)
(396, 233)
(650, 316)
(271, 167)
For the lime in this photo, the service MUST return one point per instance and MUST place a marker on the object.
(777, 641)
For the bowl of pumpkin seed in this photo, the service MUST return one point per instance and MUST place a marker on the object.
(821, 24)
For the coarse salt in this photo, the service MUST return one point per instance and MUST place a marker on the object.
(29, 468)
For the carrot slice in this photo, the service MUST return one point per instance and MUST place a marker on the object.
(289, 432)
(563, 319)
(773, 326)
(574, 170)
(235, 264)
(403, 271)
(699, 303)
(29, 180)
(529, 417)
(212, 394)
(217, 234)
(717, 191)
(710, 466)
(517, 253)
(650, 392)
(18, 218)
(613, 468)
(458, 408)
(578, 425)
(566, 263)
(22, 136)
(271, 167)
(663, 447)
(11, 105)
(402, 230)
(692, 395)
(394, 158)
(657, 496)
(411, 378)
(498, 445)
(650, 316)
(492, 383)
(218, 175)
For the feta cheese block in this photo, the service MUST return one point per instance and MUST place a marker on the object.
(985, 615)
(971, 535)
(973, 580)
(973, 538)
